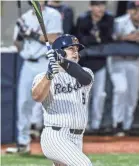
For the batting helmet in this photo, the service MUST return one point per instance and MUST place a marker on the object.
(66, 40)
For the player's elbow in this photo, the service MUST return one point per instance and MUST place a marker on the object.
(85, 79)
(38, 97)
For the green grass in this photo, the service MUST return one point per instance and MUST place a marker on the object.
(97, 159)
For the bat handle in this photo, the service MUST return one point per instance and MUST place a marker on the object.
(48, 46)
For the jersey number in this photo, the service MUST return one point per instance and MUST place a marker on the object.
(83, 98)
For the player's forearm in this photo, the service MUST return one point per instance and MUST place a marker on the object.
(41, 90)
(40, 38)
(131, 37)
(76, 71)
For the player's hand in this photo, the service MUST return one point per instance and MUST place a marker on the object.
(133, 37)
(56, 55)
(51, 55)
(53, 68)
(60, 55)
(24, 29)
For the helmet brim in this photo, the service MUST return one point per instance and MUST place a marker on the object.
(81, 46)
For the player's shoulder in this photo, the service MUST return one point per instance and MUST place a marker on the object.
(91, 73)
(88, 70)
(51, 11)
(27, 13)
(122, 19)
(66, 7)
(84, 15)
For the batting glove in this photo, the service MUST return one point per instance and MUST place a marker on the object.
(56, 55)
(53, 68)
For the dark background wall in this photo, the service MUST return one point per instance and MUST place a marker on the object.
(10, 67)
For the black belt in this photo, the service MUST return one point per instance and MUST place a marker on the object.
(32, 60)
(72, 131)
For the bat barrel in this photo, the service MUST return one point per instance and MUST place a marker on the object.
(38, 11)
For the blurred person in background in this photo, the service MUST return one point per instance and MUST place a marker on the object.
(28, 31)
(66, 13)
(125, 72)
(36, 122)
(96, 27)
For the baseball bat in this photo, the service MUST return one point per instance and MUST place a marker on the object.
(38, 12)
(19, 8)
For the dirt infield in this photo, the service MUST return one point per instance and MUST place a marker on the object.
(95, 144)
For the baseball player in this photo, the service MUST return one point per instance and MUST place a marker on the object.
(35, 62)
(95, 26)
(125, 71)
(64, 92)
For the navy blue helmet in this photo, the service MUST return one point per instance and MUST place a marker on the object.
(65, 41)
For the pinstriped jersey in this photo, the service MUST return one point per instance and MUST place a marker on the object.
(67, 102)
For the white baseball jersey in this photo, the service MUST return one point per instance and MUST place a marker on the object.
(67, 102)
(120, 29)
(53, 24)
(32, 49)
(124, 73)
(124, 25)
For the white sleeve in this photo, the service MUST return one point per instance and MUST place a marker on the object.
(38, 78)
(15, 34)
(118, 28)
(55, 24)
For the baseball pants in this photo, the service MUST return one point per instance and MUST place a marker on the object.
(25, 102)
(98, 98)
(63, 147)
(124, 75)
(37, 116)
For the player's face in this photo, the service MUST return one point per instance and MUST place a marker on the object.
(135, 15)
(98, 10)
(72, 53)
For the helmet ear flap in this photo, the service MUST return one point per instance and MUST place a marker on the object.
(61, 52)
